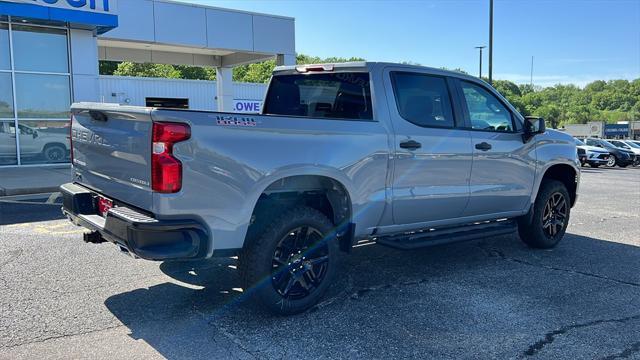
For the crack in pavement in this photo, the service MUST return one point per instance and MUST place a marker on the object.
(209, 321)
(13, 256)
(362, 291)
(59, 337)
(240, 344)
(550, 337)
(495, 253)
(626, 353)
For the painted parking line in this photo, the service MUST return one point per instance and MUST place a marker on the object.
(63, 228)
(33, 199)
(53, 197)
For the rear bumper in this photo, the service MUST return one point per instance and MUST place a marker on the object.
(139, 233)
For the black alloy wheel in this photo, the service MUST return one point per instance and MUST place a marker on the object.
(554, 215)
(300, 263)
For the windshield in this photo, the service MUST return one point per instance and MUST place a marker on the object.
(579, 142)
(606, 143)
(632, 144)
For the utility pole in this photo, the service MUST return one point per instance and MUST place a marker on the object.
(480, 48)
(531, 71)
(490, 41)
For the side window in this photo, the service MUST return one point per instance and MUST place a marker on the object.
(423, 99)
(486, 112)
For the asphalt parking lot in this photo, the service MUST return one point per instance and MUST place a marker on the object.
(491, 298)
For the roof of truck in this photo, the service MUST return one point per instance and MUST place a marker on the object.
(375, 64)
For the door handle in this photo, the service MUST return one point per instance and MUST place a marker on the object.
(484, 146)
(410, 144)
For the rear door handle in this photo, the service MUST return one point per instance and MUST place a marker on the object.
(410, 144)
(484, 146)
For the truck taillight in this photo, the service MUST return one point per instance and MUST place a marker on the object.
(166, 170)
(71, 139)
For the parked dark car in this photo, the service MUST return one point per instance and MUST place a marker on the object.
(618, 156)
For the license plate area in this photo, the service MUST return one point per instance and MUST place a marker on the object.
(103, 205)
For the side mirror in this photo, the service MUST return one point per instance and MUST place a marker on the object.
(35, 134)
(533, 126)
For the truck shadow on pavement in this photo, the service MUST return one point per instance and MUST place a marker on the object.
(488, 298)
(18, 212)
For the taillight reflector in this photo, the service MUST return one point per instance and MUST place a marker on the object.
(166, 170)
(71, 139)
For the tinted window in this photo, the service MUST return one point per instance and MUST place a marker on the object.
(339, 95)
(486, 112)
(633, 144)
(422, 99)
(619, 143)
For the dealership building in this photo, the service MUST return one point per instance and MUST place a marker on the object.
(50, 51)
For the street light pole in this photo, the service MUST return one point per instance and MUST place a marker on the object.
(480, 48)
(490, 41)
(532, 71)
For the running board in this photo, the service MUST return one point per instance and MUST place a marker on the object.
(433, 237)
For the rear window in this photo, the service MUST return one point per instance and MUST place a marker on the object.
(341, 95)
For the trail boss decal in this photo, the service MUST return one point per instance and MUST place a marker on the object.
(232, 120)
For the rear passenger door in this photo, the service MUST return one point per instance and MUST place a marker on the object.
(432, 156)
(503, 164)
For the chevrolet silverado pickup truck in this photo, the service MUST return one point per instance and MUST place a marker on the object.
(405, 156)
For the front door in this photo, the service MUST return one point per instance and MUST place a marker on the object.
(432, 157)
(503, 164)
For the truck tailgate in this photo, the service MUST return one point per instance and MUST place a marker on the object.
(112, 151)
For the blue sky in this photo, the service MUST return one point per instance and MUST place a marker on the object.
(572, 41)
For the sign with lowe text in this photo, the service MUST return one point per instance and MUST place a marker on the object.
(247, 105)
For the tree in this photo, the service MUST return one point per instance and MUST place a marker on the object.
(147, 70)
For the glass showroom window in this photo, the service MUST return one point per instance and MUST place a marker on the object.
(42, 91)
(8, 152)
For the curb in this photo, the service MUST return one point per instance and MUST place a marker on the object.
(28, 191)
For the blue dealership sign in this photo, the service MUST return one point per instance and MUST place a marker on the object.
(616, 129)
(98, 14)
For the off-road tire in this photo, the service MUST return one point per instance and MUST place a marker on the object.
(257, 260)
(531, 228)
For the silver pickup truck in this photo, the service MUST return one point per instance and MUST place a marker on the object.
(406, 156)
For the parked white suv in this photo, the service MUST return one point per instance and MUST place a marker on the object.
(592, 155)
